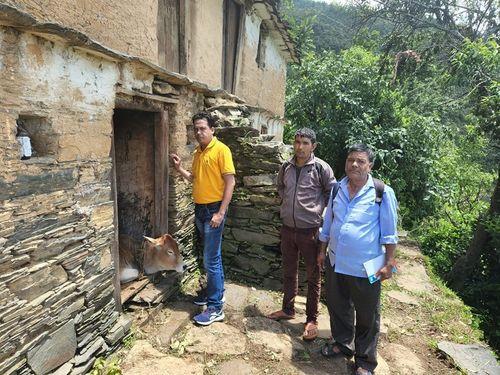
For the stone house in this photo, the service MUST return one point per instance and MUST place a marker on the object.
(105, 90)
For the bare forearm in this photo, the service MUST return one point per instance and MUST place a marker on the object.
(229, 184)
(323, 246)
(185, 173)
(390, 253)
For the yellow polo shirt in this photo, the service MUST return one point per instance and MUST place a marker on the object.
(209, 166)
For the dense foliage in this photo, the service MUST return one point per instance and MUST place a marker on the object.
(419, 83)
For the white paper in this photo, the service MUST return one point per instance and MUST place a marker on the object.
(25, 146)
(373, 266)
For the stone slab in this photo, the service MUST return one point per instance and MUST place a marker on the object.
(262, 303)
(58, 348)
(215, 339)
(143, 359)
(271, 334)
(403, 360)
(403, 297)
(89, 352)
(254, 237)
(413, 277)
(260, 180)
(473, 359)
(236, 366)
(382, 366)
(64, 369)
(179, 314)
(236, 296)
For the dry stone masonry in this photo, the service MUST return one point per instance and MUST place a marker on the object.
(251, 236)
(60, 216)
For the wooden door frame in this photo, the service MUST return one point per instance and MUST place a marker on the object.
(239, 41)
(161, 184)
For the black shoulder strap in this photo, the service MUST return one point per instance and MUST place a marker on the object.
(335, 190)
(379, 190)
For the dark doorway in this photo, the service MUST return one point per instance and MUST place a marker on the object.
(233, 16)
(140, 182)
(135, 174)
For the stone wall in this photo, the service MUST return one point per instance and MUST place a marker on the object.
(251, 235)
(181, 206)
(261, 84)
(56, 209)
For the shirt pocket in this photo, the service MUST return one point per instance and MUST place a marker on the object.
(366, 212)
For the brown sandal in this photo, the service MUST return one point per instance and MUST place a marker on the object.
(310, 331)
(280, 315)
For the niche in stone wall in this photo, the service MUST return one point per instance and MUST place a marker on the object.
(36, 137)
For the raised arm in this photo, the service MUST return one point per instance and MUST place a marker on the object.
(176, 160)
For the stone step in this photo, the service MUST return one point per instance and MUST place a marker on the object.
(167, 321)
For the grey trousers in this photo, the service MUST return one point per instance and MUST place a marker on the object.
(354, 307)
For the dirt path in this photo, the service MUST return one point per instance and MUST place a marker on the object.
(415, 315)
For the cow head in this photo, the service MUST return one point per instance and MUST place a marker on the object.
(162, 254)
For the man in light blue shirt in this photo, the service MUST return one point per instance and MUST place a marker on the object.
(358, 225)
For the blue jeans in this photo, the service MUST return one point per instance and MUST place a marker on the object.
(212, 254)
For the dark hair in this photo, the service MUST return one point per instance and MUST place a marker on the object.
(361, 147)
(204, 116)
(307, 133)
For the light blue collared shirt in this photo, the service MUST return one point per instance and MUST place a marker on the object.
(359, 227)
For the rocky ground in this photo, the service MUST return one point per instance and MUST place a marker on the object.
(417, 314)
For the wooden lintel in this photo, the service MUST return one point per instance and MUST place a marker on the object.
(137, 104)
(157, 98)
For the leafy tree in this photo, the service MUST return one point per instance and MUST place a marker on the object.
(417, 81)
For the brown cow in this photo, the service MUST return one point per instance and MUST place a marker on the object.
(160, 254)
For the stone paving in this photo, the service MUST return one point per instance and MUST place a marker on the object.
(248, 343)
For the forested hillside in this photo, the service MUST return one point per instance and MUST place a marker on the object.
(419, 82)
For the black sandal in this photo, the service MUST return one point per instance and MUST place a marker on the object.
(363, 371)
(328, 350)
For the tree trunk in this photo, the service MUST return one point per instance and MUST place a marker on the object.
(464, 265)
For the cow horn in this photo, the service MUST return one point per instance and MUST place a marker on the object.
(152, 240)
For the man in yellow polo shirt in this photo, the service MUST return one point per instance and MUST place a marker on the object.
(213, 184)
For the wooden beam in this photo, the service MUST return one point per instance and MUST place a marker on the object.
(137, 104)
(131, 289)
(115, 247)
(157, 98)
(183, 32)
(161, 174)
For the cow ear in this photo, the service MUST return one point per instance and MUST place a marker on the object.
(170, 242)
(152, 240)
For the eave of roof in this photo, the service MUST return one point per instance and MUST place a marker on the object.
(268, 10)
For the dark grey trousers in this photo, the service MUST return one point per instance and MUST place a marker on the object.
(354, 307)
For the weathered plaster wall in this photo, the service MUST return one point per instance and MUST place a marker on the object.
(261, 87)
(121, 25)
(56, 212)
(182, 142)
(205, 41)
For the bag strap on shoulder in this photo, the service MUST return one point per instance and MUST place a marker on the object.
(379, 190)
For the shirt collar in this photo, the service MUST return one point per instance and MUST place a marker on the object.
(311, 160)
(210, 145)
(369, 184)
